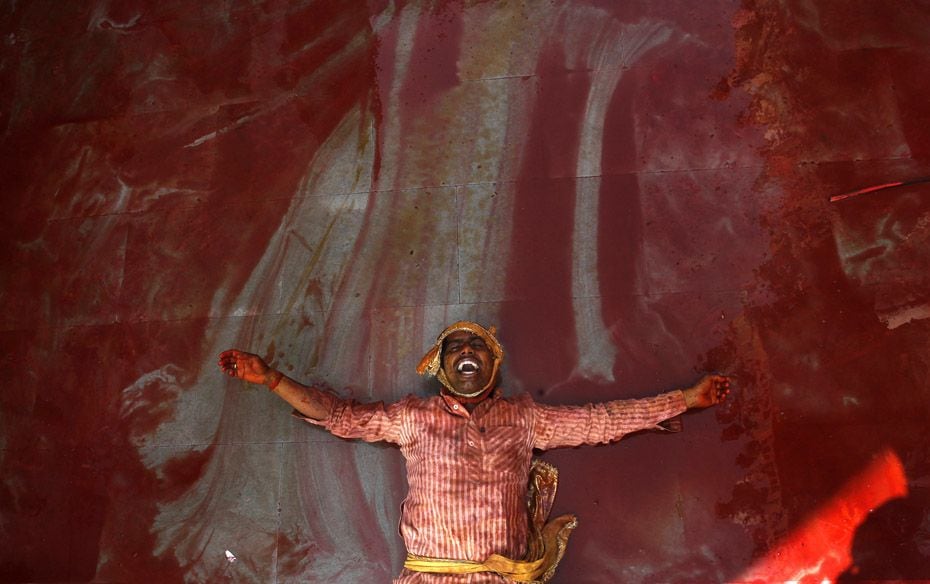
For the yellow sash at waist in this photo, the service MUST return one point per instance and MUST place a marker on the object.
(554, 538)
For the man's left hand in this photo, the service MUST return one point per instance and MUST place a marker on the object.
(707, 392)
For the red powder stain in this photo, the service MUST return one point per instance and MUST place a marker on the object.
(539, 273)
(909, 69)
(620, 241)
(814, 388)
(87, 478)
(434, 57)
(82, 467)
(296, 552)
(183, 471)
(315, 291)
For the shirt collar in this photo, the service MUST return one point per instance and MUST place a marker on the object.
(455, 407)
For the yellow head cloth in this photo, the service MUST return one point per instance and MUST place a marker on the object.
(431, 363)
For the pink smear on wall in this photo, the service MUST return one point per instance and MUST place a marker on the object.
(634, 193)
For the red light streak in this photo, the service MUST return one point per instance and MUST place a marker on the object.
(820, 549)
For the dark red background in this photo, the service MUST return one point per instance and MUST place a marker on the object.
(634, 193)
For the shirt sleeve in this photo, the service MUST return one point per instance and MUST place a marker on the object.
(599, 423)
(371, 422)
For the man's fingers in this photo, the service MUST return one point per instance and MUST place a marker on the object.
(229, 362)
(722, 387)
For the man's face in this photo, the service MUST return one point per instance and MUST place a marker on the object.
(467, 362)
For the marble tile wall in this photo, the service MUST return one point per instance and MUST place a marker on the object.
(633, 192)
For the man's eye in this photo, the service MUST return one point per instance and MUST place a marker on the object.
(478, 344)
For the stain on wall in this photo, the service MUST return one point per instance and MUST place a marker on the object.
(634, 193)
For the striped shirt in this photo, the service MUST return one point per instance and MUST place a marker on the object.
(467, 472)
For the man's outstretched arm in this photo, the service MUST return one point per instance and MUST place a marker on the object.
(599, 423)
(309, 401)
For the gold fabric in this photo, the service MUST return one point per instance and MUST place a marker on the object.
(547, 540)
(431, 363)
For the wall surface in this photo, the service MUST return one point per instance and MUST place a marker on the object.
(634, 192)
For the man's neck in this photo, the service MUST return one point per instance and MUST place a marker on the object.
(471, 403)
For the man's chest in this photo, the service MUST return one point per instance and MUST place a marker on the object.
(489, 439)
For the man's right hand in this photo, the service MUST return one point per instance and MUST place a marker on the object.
(309, 401)
(246, 366)
(709, 391)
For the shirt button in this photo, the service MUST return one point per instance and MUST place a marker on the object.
(455, 407)
(471, 443)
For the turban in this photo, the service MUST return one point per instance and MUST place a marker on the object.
(432, 362)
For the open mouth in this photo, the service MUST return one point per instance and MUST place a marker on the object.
(467, 366)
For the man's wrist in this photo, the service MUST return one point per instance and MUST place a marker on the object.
(273, 378)
(689, 397)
